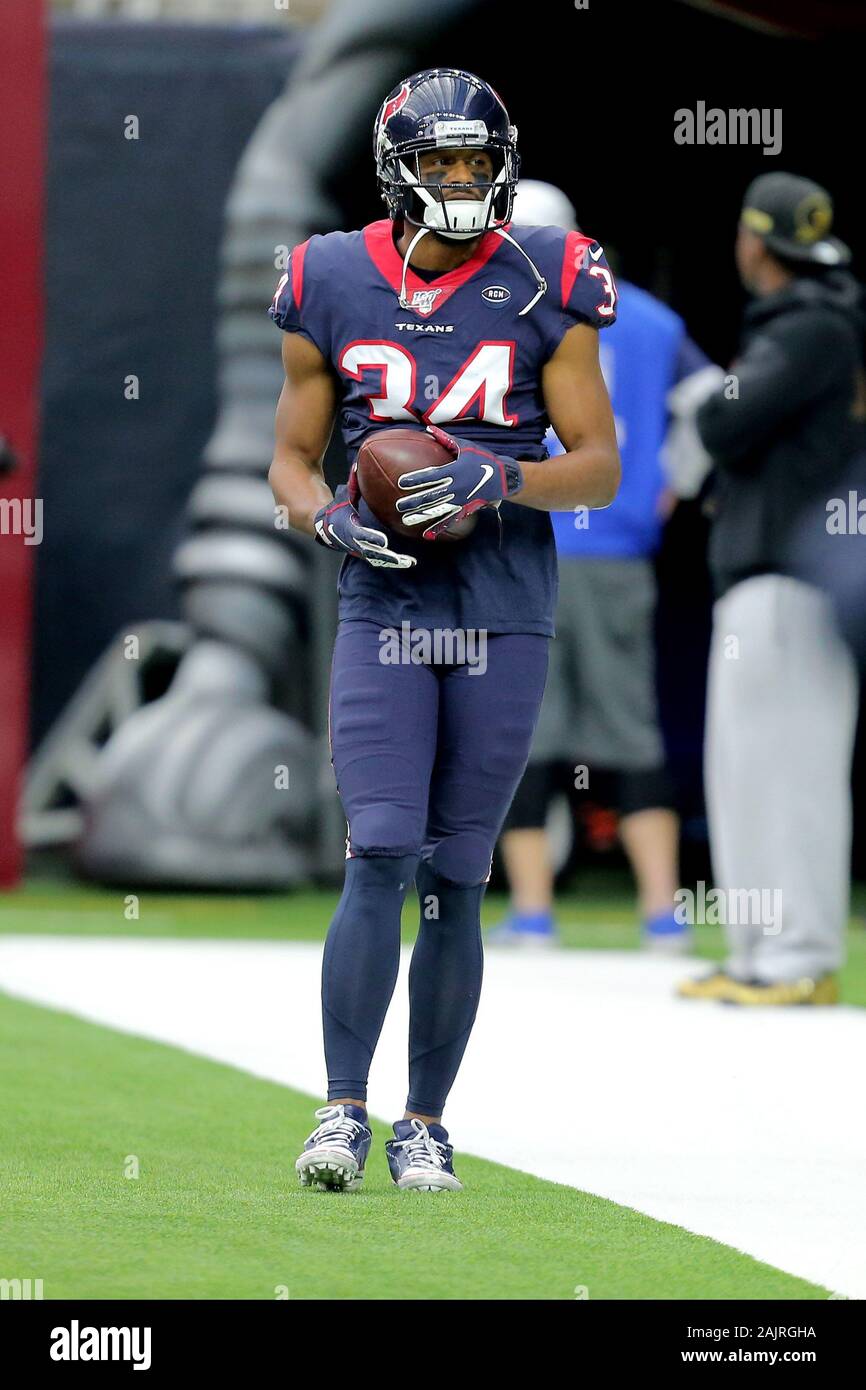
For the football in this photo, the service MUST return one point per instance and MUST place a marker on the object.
(383, 458)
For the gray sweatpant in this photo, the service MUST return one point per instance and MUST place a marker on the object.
(782, 705)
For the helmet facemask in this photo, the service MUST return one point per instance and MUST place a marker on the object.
(422, 201)
(436, 204)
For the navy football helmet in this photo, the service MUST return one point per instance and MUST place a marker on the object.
(438, 109)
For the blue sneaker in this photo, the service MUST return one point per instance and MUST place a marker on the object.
(535, 930)
(665, 935)
(420, 1158)
(336, 1151)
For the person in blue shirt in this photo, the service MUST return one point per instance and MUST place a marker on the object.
(599, 712)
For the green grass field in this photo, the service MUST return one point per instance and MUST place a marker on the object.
(215, 1210)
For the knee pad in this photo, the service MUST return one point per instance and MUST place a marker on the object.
(379, 832)
(463, 859)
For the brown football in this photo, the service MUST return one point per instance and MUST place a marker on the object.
(387, 455)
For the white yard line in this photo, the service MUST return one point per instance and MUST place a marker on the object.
(746, 1126)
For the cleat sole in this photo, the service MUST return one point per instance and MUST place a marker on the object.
(412, 1183)
(328, 1172)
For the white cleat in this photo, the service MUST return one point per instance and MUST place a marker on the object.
(335, 1153)
(420, 1159)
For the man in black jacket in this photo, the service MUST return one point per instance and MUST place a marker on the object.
(782, 691)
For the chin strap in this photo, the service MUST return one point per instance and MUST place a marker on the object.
(500, 231)
(539, 278)
(422, 231)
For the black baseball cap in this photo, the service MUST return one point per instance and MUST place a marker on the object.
(793, 216)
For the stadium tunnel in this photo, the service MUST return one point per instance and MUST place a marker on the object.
(288, 161)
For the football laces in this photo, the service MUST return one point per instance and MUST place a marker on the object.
(421, 1149)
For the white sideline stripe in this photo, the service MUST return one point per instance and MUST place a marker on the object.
(745, 1126)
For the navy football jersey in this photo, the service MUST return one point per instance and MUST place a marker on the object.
(464, 358)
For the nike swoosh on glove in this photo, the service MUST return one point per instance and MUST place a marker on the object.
(339, 527)
(475, 478)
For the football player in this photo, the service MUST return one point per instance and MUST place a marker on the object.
(442, 316)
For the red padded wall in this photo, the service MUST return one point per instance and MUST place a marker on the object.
(22, 122)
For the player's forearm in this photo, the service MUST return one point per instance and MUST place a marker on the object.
(584, 477)
(299, 488)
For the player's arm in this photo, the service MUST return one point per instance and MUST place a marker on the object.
(576, 399)
(302, 430)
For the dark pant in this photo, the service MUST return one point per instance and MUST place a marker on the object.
(427, 756)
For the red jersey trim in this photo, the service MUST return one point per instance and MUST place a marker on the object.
(576, 246)
(298, 273)
(388, 261)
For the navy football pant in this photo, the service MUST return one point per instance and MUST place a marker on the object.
(427, 758)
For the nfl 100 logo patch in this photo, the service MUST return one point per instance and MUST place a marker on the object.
(496, 295)
(424, 301)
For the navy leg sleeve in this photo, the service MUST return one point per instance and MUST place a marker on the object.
(359, 969)
(444, 987)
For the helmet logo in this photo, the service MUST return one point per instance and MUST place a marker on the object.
(395, 104)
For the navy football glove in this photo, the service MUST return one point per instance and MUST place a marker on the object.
(439, 496)
(339, 527)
